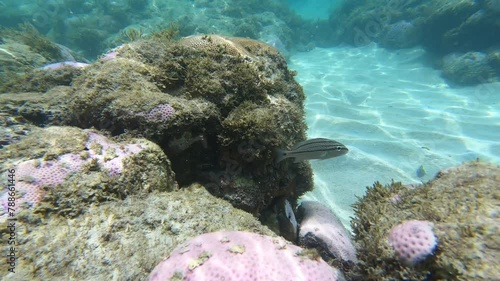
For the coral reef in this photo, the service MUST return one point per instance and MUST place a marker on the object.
(460, 203)
(413, 241)
(92, 26)
(233, 255)
(402, 34)
(28, 35)
(13, 128)
(468, 69)
(217, 106)
(208, 101)
(65, 169)
(23, 49)
(441, 27)
(120, 239)
(33, 108)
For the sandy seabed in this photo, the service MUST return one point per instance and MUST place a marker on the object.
(395, 113)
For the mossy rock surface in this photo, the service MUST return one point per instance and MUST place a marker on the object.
(233, 102)
(64, 170)
(217, 106)
(121, 240)
(37, 108)
(462, 203)
(23, 50)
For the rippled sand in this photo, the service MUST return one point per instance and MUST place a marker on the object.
(395, 113)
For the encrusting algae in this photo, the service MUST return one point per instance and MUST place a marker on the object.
(461, 203)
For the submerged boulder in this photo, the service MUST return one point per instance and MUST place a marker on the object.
(24, 49)
(66, 169)
(458, 207)
(468, 69)
(231, 101)
(122, 239)
(441, 27)
(217, 106)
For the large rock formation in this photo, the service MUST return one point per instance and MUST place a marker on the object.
(217, 106)
(461, 204)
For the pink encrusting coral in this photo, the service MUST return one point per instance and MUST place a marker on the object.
(160, 112)
(242, 256)
(413, 241)
(109, 155)
(61, 65)
(112, 54)
(34, 176)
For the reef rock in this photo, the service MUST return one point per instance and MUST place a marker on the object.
(66, 169)
(146, 118)
(217, 106)
(120, 239)
(35, 108)
(24, 49)
(441, 27)
(468, 69)
(461, 204)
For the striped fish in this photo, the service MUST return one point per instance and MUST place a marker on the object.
(319, 148)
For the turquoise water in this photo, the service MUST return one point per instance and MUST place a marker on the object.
(395, 114)
(314, 9)
(392, 108)
(409, 87)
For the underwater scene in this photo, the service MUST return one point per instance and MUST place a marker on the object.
(278, 140)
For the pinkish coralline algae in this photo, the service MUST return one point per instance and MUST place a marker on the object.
(60, 65)
(242, 256)
(413, 241)
(160, 112)
(34, 177)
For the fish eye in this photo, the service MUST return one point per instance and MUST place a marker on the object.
(339, 148)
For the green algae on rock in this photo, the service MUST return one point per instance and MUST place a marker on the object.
(22, 51)
(66, 169)
(122, 239)
(216, 106)
(462, 203)
(232, 101)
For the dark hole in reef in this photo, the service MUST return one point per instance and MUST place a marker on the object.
(196, 163)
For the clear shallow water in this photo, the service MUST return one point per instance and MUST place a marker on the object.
(394, 114)
(314, 9)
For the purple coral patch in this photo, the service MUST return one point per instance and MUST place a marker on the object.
(60, 65)
(32, 175)
(160, 112)
(242, 256)
(111, 155)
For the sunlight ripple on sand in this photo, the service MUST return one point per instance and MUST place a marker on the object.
(394, 114)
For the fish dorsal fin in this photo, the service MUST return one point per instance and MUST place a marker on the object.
(309, 141)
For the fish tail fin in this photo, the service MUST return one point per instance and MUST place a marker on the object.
(279, 155)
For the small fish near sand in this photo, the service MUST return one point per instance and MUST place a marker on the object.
(318, 148)
(421, 171)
